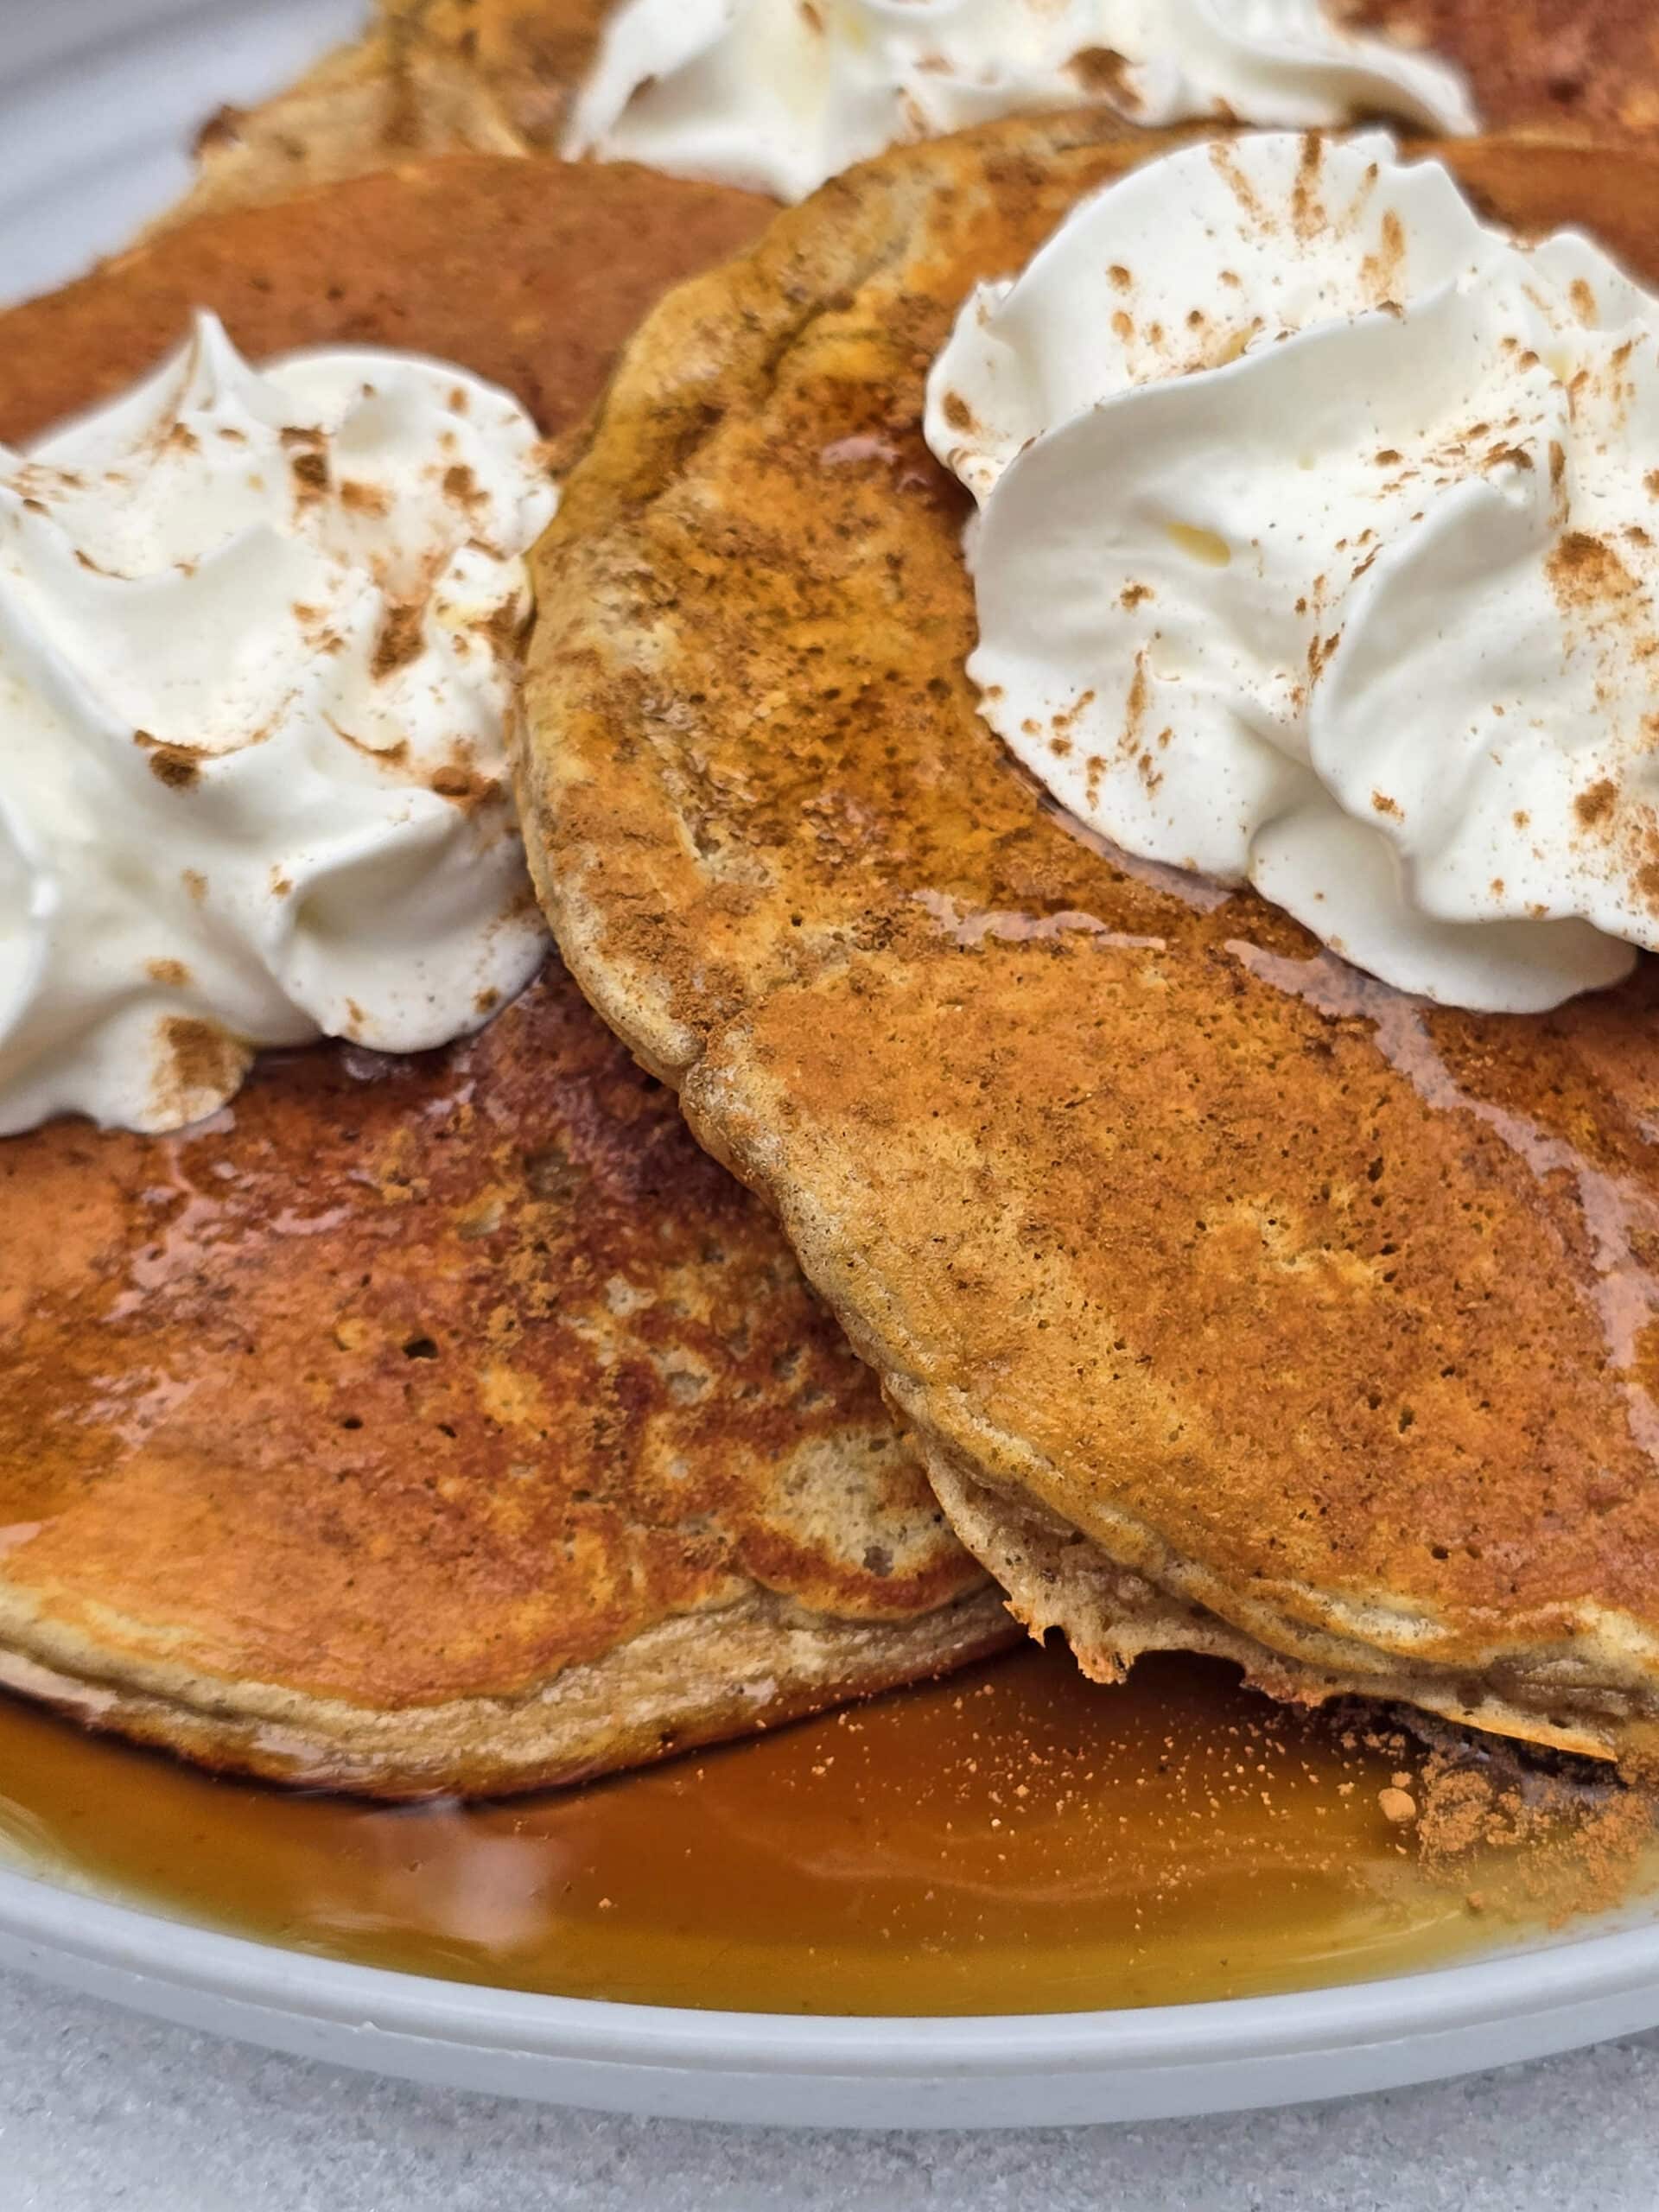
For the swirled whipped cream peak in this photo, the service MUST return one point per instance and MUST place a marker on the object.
(257, 636)
(780, 95)
(1318, 548)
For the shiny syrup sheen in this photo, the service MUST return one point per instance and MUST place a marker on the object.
(1012, 1839)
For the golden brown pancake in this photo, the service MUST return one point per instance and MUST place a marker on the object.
(427, 77)
(1236, 1300)
(533, 273)
(1588, 65)
(448, 1422)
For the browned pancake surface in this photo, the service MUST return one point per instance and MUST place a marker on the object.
(411, 1379)
(531, 273)
(1325, 1310)
(1586, 65)
(427, 77)
(449, 1420)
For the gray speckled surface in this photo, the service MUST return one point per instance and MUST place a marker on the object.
(103, 2111)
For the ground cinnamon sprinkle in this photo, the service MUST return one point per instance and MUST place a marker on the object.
(1549, 1836)
(400, 639)
(1596, 804)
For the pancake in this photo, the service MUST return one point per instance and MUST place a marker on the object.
(1235, 1300)
(1546, 63)
(427, 77)
(448, 1422)
(532, 273)
(497, 76)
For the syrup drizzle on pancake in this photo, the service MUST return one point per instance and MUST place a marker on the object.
(1620, 1216)
(414, 1379)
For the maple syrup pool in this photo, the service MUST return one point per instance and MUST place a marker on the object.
(1011, 1839)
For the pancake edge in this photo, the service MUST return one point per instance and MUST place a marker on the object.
(691, 1681)
(1057, 1579)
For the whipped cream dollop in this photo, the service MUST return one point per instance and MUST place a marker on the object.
(779, 95)
(1318, 548)
(256, 638)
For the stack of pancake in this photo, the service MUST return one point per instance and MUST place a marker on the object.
(449, 1422)
(1236, 1302)
(456, 1423)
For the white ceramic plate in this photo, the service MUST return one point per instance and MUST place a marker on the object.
(1041, 2070)
(98, 100)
